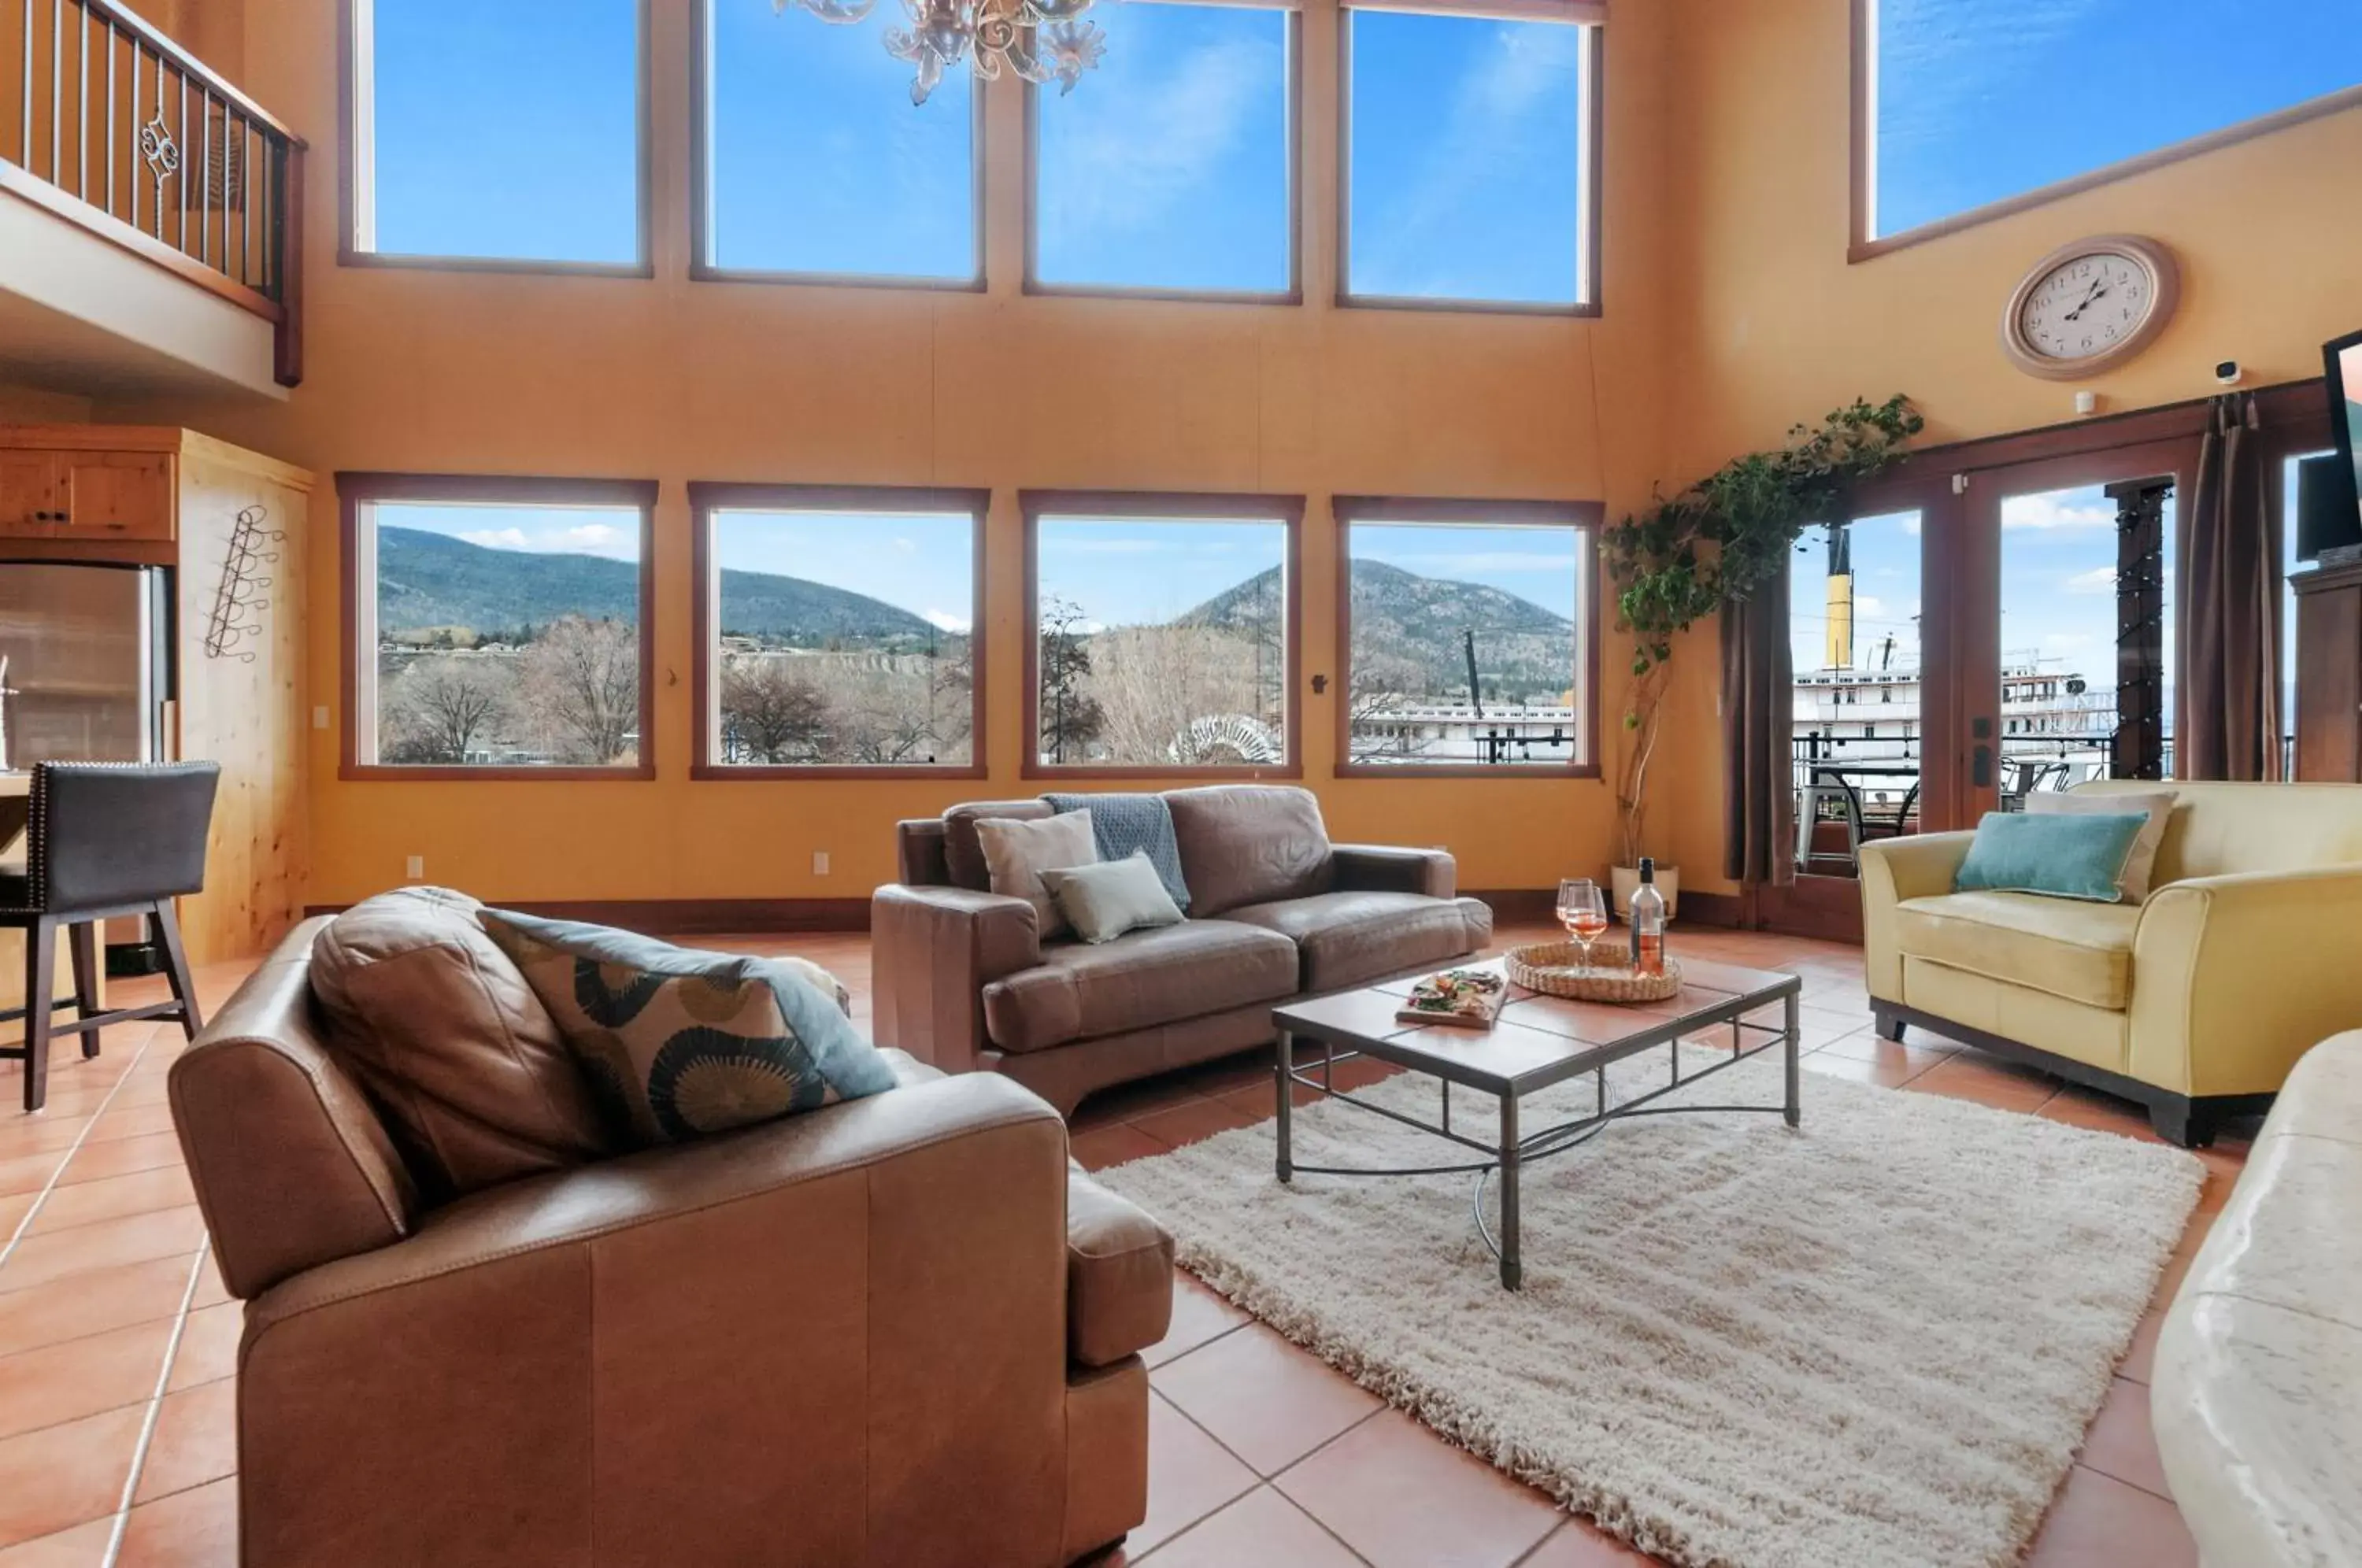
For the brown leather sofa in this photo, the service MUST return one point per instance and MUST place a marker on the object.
(901, 1331)
(963, 980)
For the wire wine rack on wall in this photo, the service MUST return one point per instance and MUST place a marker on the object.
(237, 614)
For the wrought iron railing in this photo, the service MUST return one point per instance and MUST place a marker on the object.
(108, 123)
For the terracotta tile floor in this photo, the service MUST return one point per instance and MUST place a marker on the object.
(118, 1345)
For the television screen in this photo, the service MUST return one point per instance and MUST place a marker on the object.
(2344, 359)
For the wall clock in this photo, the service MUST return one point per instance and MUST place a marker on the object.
(2090, 305)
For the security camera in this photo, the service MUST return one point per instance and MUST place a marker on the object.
(2227, 371)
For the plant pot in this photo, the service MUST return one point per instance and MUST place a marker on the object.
(1626, 880)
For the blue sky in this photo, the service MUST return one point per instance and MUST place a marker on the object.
(922, 562)
(609, 531)
(1984, 99)
(1127, 572)
(508, 127)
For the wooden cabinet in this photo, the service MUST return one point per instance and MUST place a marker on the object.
(91, 496)
(2329, 674)
(171, 498)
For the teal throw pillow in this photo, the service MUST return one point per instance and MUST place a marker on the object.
(2064, 856)
(676, 1042)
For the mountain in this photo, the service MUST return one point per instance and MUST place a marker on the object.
(432, 580)
(1408, 626)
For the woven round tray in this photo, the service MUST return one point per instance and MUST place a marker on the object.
(1556, 969)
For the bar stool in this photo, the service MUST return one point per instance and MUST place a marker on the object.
(103, 839)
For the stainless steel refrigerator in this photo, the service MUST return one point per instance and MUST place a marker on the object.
(89, 662)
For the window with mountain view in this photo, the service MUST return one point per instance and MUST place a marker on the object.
(1469, 160)
(1469, 636)
(505, 132)
(1173, 167)
(1966, 107)
(1161, 631)
(838, 628)
(498, 624)
(818, 164)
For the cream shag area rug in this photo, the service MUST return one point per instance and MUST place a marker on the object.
(1873, 1343)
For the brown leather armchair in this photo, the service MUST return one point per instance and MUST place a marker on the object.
(900, 1331)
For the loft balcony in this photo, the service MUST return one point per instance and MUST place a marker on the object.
(149, 213)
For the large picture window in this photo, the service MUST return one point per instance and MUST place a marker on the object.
(1160, 635)
(497, 626)
(1968, 107)
(1471, 160)
(836, 631)
(815, 164)
(1172, 168)
(497, 134)
(1468, 633)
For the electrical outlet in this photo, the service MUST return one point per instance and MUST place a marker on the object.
(320, 717)
(414, 867)
(820, 862)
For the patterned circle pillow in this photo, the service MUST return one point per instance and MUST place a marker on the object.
(677, 1043)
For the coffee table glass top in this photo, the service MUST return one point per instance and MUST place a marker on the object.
(1538, 1038)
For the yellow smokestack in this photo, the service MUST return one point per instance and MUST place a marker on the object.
(1840, 649)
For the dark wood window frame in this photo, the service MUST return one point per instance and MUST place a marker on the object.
(1175, 506)
(702, 268)
(1585, 517)
(1863, 246)
(357, 489)
(351, 60)
(1291, 296)
(705, 498)
(1595, 168)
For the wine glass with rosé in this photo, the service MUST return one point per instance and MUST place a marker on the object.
(1583, 910)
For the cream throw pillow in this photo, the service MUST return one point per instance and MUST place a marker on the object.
(1017, 851)
(2132, 886)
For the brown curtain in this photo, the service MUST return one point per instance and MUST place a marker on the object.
(1758, 714)
(2227, 718)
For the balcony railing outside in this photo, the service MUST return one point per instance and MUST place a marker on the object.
(109, 124)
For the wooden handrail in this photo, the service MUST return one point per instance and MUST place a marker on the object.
(189, 65)
(112, 125)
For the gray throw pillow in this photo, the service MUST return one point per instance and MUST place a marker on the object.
(1103, 901)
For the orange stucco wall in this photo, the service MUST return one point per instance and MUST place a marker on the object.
(1774, 324)
(1732, 312)
(678, 380)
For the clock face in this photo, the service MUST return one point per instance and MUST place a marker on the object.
(2086, 306)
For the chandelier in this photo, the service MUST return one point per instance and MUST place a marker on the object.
(1040, 40)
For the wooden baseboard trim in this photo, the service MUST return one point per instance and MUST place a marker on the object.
(688, 917)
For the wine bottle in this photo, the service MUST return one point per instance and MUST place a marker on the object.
(1648, 917)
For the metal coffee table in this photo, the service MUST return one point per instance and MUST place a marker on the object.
(1538, 1041)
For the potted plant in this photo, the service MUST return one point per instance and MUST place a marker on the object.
(1720, 539)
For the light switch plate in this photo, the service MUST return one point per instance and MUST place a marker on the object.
(320, 717)
(820, 862)
(414, 867)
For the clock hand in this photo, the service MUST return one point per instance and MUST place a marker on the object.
(2094, 297)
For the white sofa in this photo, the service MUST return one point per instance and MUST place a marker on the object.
(2257, 1398)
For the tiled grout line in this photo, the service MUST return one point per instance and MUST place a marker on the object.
(66, 1158)
(155, 1407)
(1260, 1480)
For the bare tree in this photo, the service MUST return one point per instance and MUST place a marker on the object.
(1071, 718)
(770, 712)
(881, 709)
(442, 708)
(579, 685)
(1152, 684)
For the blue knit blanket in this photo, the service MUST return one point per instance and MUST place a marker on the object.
(1122, 823)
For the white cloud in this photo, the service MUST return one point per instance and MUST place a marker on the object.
(2046, 512)
(499, 538)
(593, 537)
(1130, 172)
(1868, 607)
(943, 620)
(2098, 581)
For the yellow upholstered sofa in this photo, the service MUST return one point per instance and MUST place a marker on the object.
(2195, 1002)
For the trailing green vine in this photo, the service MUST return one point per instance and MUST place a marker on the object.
(1721, 539)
